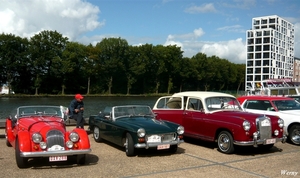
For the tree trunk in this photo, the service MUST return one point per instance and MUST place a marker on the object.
(88, 86)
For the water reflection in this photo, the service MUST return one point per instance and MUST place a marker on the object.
(92, 104)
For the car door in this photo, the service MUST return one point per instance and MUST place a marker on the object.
(193, 118)
(169, 108)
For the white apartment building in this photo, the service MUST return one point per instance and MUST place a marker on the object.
(270, 51)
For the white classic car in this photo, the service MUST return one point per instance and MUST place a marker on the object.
(286, 108)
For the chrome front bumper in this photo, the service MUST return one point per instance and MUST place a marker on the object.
(54, 153)
(153, 145)
(256, 142)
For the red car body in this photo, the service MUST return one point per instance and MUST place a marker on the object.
(214, 116)
(39, 131)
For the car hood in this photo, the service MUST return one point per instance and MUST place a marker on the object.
(238, 114)
(41, 124)
(293, 112)
(151, 125)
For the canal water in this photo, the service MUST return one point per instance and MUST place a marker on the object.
(92, 105)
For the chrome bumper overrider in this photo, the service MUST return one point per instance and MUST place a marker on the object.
(54, 153)
(256, 142)
(150, 145)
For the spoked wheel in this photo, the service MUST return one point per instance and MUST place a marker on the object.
(225, 142)
(294, 134)
(96, 134)
(21, 161)
(129, 146)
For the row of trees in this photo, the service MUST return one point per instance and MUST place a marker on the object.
(49, 63)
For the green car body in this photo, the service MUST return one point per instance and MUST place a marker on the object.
(135, 127)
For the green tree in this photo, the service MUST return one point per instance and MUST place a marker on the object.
(44, 48)
(112, 58)
(13, 59)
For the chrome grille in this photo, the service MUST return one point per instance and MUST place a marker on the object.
(55, 137)
(164, 138)
(264, 127)
(167, 137)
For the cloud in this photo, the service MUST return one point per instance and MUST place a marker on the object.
(233, 50)
(233, 28)
(204, 8)
(72, 18)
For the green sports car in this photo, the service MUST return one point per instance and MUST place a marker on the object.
(135, 127)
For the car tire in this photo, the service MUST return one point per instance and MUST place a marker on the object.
(129, 145)
(294, 134)
(21, 161)
(96, 134)
(81, 159)
(225, 142)
(173, 148)
(6, 141)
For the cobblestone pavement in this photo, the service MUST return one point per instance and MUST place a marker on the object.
(194, 158)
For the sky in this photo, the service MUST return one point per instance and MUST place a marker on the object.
(213, 27)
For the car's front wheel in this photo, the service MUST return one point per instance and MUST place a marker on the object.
(225, 142)
(96, 134)
(129, 145)
(294, 134)
(21, 161)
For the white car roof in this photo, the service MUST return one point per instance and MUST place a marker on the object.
(201, 94)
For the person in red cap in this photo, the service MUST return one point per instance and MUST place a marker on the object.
(76, 109)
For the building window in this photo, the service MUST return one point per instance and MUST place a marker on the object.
(257, 55)
(266, 47)
(266, 55)
(257, 48)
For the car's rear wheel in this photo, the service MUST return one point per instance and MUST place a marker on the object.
(173, 148)
(225, 142)
(6, 140)
(81, 159)
(96, 134)
(294, 134)
(21, 162)
(129, 145)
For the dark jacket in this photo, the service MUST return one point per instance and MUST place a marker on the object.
(75, 105)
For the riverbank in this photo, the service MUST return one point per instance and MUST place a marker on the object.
(89, 95)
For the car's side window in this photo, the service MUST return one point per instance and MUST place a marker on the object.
(174, 103)
(195, 104)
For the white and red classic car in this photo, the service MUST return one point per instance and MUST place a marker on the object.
(218, 117)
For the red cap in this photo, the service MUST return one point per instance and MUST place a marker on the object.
(78, 96)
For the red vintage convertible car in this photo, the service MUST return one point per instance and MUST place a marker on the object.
(218, 117)
(39, 131)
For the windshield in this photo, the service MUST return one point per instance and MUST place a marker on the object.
(129, 111)
(220, 103)
(284, 105)
(24, 111)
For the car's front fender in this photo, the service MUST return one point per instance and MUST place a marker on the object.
(24, 141)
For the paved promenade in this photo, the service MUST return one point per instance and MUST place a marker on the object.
(193, 159)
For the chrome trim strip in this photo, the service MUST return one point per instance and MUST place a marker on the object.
(54, 153)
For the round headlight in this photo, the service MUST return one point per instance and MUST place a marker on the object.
(280, 123)
(43, 145)
(74, 137)
(36, 138)
(141, 132)
(180, 130)
(246, 125)
(69, 144)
